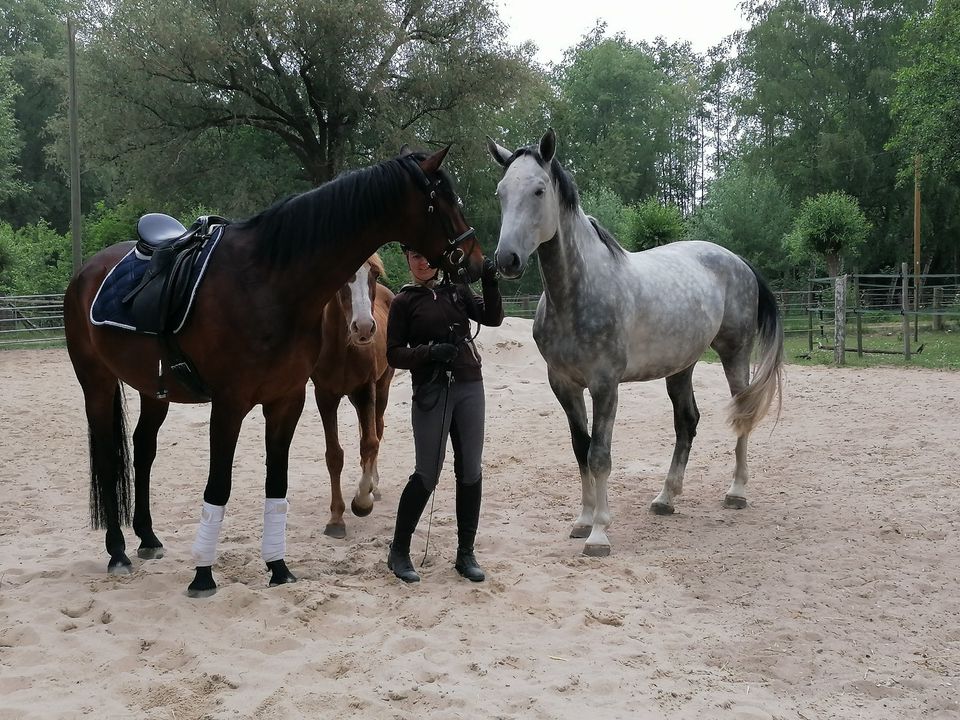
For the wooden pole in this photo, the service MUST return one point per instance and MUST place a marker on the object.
(859, 311)
(840, 320)
(937, 306)
(916, 247)
(74, 150)
(810, 318)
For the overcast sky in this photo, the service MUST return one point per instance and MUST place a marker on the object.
(555, 25)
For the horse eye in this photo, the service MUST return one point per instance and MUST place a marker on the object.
(539, 192)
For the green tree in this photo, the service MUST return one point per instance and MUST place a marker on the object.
(10, 142)
(749, 213)
(324, 84)
(33, 39)
(40, 260)
(655, 224)
(606, 116)
(831, 227)
(926, 103)
(611, 212)
(814, 109)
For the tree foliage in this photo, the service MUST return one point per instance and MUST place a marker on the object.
(829, 226)
(333, 84)
(655, 224)
(749, 213)
(926, 103)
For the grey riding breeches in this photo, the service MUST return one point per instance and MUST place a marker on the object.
(456, 411)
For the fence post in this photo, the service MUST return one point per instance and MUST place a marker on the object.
(840, 319)
(810, 317)
(859, 310)
(937, 305)
(905, 309)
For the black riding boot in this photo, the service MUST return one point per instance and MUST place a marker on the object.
(412, 502)
(468, 518)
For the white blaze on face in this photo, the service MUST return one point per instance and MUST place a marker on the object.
(362, 325)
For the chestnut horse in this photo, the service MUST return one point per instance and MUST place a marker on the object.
(253, 337)
(353, 363)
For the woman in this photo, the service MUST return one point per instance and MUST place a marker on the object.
(428, 332)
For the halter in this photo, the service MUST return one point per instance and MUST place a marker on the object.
(429, 188)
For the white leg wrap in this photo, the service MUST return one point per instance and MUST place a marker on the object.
(204, 549)
(274, 529)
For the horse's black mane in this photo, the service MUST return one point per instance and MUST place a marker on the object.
(567, 190)
(334, 212)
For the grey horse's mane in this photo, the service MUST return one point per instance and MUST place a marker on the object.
(568, 193)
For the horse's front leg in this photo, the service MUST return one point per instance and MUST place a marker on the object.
(685, 419)
(225, 421)
(152, 414)
(327, 404)
(598, 461)
(364, 402)
(281, 418)
(571, 400)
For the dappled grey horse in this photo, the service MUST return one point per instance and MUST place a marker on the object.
(609, 316)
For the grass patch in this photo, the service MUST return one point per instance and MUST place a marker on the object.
(940, 350)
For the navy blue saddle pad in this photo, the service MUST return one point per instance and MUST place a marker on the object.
(108, 307)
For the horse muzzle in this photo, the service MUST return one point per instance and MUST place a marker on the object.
(509, 264)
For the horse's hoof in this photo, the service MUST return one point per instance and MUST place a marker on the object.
(581, 531)
(335, 530)
(150, 553)
(596, 550)
(120, 565)
(732, 502)
(209, 592)
(203, 584)
(660, 508)
(359, 510)
(281, 574)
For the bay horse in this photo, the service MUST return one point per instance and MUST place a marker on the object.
(253, 338)
(608, 316)
(353, 363)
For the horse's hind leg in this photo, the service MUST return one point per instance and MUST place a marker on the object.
(382, 395)
(152, 414)
(364, 403)
(736, 366)
(327, 404)
(685, 419)
(571, 400)
(110, 472)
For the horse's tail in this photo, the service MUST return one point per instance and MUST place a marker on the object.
(751, 404)
(110, 481)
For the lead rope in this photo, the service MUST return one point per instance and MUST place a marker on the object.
(440, 444)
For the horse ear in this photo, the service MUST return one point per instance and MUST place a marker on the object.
(499, 153)
(406, 150)
(432, 163)
(548, 145)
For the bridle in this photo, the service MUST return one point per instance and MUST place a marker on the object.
(454, 254)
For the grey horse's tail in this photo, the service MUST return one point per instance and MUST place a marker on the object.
(751, 404)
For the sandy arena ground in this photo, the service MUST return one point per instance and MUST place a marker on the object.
(833, 595)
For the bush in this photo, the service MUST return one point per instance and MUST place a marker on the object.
(34, 260)
(655, 224)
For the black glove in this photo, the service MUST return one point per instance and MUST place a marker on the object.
(443, 352)
(488, 273)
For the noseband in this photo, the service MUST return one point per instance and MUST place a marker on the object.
(453, 252)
